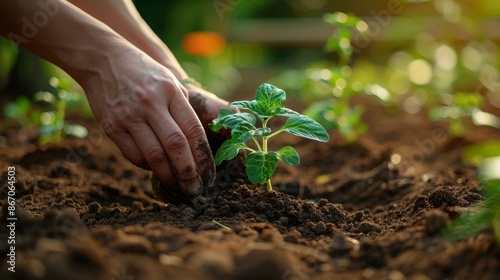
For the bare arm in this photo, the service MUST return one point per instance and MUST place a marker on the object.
(49, 29)
(139, 103)
(123, 17)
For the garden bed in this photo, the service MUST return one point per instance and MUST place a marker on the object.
(371, 210)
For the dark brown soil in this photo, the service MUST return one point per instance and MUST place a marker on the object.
(372, 210)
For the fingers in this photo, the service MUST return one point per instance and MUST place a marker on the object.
(207, 106)
(129, 148)
(153, 152)
(191, 167)
(186, 118)
(154, 126)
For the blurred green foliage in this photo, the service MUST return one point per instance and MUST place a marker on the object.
(435, 56)
(47, 112)
(485, 216)
(53, 126)
(330, 82)
(430, 56)
(477, 153)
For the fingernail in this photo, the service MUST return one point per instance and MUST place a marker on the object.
(194, 190)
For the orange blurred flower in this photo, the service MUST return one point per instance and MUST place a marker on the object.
(203, 43)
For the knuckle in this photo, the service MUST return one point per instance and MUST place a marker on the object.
(111, 126)
(155, 154)
(194, 130)
(175, 89)
(125, 112)
(175, 141)
(108, 125)
(136, 159)
(145, 97)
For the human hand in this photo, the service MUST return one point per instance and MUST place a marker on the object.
(145, 111)
(207, 106)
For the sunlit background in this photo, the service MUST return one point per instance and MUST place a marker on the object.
(440, 55)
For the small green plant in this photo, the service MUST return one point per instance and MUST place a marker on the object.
(458, 108)
(347, 26)
(53, 127)
(333, 83)
(45, 114)
(268, 104)
(21, 112)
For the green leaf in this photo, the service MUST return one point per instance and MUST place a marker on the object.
(285, 112)
(289, 155)
(249, 105)
(261, 166)
(227, 151)
(233, 120)
(268, 103)
(262, 131)
(245, 132)
(216, 124)
(306, 127)
(224, 112)
(242, 132)
(261, 112)
(270, 97)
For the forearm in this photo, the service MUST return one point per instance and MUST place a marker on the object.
(123, 17)
(61, 33)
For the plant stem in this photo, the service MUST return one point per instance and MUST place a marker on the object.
(269, 185)
(257, 143)
(274, 134)
(59, 120)
(264, 149)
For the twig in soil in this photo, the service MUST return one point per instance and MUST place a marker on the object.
(221, 225)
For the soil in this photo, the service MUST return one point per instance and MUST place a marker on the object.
(371, 210)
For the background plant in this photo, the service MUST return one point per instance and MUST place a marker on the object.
(47, 112)
(331, 83)
(268, 104)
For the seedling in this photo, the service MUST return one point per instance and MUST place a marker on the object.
(459, 108)
(268, 104)
(53, 125)
(347, 27)
(333, 84)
